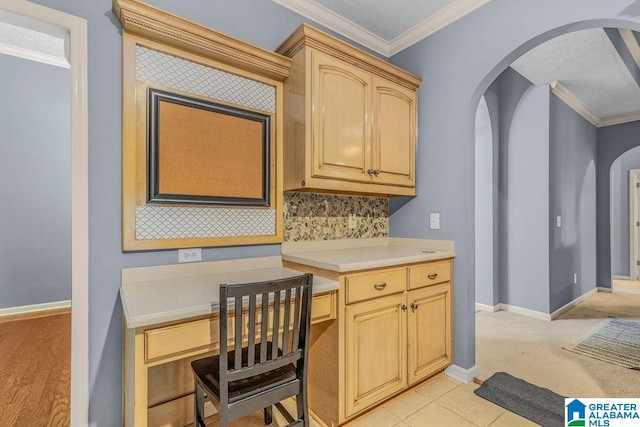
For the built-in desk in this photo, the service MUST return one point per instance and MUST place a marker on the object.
(170, 317)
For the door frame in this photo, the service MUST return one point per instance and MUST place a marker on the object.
(79, 198)
(634, 218)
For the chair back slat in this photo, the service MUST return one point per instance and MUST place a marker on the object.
(238, 333)
(296, 320)
(223, 332)
(276, 326)
(286, 322)
(251, 347)
(264, 327)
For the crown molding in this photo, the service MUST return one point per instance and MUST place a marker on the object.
(618, 120)
(142, 19)
(353, 31)
(572, 101)
(337, 23)
(445, 17)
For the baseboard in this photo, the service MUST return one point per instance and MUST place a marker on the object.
(573, 303)
(461, 374)
(604, 289)
(524, 311)
(35, 310)
(485, 307)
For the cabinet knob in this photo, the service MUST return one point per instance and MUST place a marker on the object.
(414, 306)
(404, 307)
(380, 286)
(376, 172)
(432, 276)
(369, 171)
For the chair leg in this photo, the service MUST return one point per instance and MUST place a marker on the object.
(198, 413)
(268, 415)
(303, 408)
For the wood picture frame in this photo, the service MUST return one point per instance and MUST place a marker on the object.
(207, 153)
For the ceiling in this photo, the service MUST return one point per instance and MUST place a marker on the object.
(596, 72)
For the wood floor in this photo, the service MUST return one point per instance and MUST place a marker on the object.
(35, 371)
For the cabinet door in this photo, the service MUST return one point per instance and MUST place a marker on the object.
(429, 330)
(376, 351)
(340, 113)
(394, 134)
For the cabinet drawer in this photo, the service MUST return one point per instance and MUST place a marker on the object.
(365, 286)
(324, 307)
(429, 274)
(179, 338)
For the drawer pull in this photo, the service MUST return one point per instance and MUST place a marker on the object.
(380, 286)
(432, 276)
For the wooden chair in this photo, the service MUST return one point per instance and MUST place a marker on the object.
(272, 366)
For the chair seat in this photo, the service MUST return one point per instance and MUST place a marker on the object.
(207, 370)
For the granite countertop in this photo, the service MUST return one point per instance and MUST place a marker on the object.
(152, 295)
(363, 254)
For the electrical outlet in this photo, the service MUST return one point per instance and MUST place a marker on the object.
(189, 255)
(558, 221)
(353, 221)
(434, 221)
(575, 278)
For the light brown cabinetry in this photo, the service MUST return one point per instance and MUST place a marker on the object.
(394, 330)
(429, 330)
(350, 119)
(376, 351)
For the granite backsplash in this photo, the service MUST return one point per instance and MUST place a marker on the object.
(309, 216)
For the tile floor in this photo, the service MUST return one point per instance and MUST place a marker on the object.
(440, 401)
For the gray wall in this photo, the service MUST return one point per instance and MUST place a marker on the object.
(457, 63)
(528, 204)
(621, 140)
(484, 206)
(572, 195)
(35, 183)
(613, 141)
(620, 233)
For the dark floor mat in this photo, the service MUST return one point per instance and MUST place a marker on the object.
(540, 405)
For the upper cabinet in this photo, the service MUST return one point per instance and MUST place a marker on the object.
(350, 119)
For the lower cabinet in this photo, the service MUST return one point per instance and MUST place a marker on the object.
(376, 351)
(393, 331)
(429, 329)
(394, 341)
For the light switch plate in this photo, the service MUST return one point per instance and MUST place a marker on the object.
(434, 221)
(558, 221)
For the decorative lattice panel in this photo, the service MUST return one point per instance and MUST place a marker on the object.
(163, 222)
(162, 69)
(173, 222)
